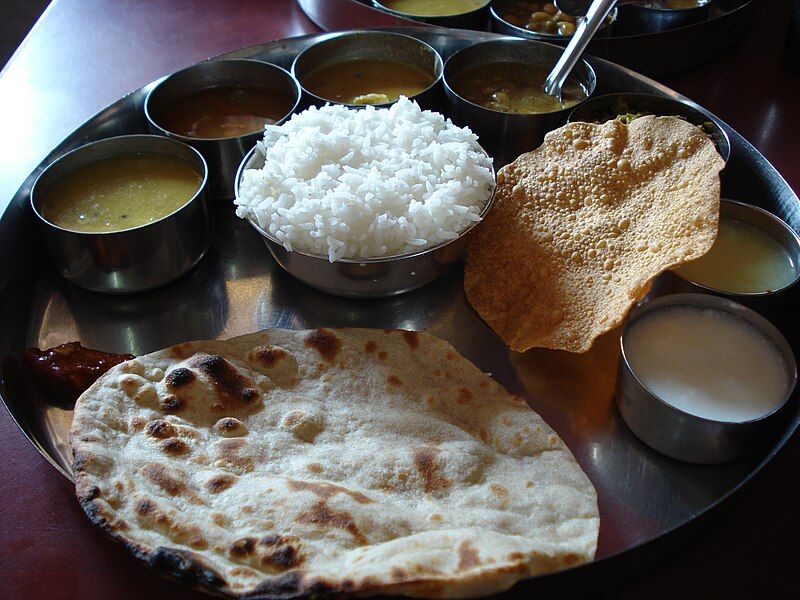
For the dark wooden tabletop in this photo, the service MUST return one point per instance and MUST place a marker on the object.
(84, 54)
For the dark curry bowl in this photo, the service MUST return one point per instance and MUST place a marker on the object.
(604, 108)
(506, 135)
(473, 19)
(370, 45)
(500, 25)
(222, 154)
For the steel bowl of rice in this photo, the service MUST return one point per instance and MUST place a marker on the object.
(366, 203)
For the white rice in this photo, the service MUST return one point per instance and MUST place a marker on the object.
(347, 183)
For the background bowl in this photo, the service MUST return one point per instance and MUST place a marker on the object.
(500, 25)
(223, 154)
(132, 260)
(641, 18)
(366, 277)
(602, 108)
(682, 435)
(474, 19)
(506, 135)
(371, 45)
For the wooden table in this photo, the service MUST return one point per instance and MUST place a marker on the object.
(84, 54)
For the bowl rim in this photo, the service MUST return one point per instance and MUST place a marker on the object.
(663, 9)
(189, 139)
(516, 40)
(612, 18)
(780, 223)
(354, 33)
(364, 261)
(201, 189)
(378, 4)
(732, 309)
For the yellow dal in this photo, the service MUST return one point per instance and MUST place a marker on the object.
(743, 259)
(433, 8)
(348, 80)
(120, 193)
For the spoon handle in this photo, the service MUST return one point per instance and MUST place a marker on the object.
(597, 13)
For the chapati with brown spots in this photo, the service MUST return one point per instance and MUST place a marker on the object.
(288, 464)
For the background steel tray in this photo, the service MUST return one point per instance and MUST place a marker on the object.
(654, 54)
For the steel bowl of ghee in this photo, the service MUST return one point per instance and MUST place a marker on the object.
(125, 214)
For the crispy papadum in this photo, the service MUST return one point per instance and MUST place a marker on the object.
(582, 225)
(351, 462)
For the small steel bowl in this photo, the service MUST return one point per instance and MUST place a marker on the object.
(371, 45)
(363, 277)
(602, 108)
(507, 135)
(775, 304)
(682, 435)
(223, 154)
(649, 18)
(473, 19)
(500, 25)
(133, 260)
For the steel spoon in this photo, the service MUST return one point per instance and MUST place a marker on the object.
(595, 17)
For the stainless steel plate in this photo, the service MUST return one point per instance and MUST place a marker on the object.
(645, 498)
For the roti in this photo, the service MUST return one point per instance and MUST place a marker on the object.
(352, 462)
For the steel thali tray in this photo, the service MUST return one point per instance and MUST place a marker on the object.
(654, 54)
(647, 501)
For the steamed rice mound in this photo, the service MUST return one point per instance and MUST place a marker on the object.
(348, 183)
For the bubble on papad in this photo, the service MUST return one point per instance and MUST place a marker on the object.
(345, 462)
(581, 225)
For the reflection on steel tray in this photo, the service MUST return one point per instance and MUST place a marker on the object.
(654, 54)
(646, 500)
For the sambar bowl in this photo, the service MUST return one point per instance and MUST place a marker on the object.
(472, 19)
(363, 277)
(370, 45)
(683, 435)
(222, 154)
(608, 106)
(501, 24)
(135, 259)
(507, 135)
(652, 16)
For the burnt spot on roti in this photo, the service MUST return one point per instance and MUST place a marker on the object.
(144, 506)
(232, 390)
(412, 339)
(394, 380)
(398, 574)
(426, 460)
(280, 552)
(243, 547)
(323, 515)
(220, 483)
(484, 435)
(314, 467)
(174, 447)
(230, 427)
(229, 455)
(160, 429)
(171, 404)
(180, 377)
(382, 356)
(269, 356)
(464, 396)
(326, 490)
(370, 347)
(163, 478)
(186, 566)
(325, 342)
(467, 556)
(286, 585)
